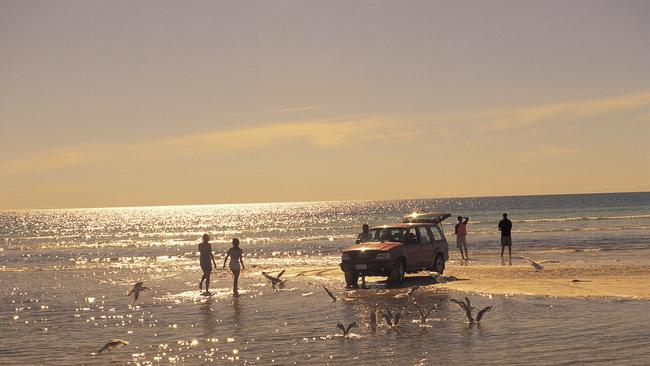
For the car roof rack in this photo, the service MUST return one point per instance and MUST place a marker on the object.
(426, 217)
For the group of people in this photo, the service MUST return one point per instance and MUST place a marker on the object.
(505, 227)
(235, 253)
(206, 258)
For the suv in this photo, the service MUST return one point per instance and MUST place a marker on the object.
(416, 244)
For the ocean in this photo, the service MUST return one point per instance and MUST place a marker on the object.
(64, 274)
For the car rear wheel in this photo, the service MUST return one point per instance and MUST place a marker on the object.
(439, 264)
(351, 279)
(397, 273)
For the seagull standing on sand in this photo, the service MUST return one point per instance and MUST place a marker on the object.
(329, 293)
(113, 344)
(346, 330)
(137, 288)
(538, 265)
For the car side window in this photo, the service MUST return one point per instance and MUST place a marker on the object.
(425, 236)
(410, 237)
(435, 231)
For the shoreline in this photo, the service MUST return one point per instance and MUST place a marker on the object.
(625, 276)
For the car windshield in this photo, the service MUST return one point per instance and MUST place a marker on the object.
(387, 234)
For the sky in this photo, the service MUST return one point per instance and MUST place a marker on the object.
(130, 103)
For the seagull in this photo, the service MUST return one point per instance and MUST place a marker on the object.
(424, 315)
(344, 329)
(274, 280)
(538, 265)
(411, 291)
(136, 290)
(113, 344)
(392, 320)
(468, 310)
(329, 293)
(373, 316)
(479, 315)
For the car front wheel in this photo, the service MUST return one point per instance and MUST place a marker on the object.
(439, 264)
(397, 274)
(351, 279)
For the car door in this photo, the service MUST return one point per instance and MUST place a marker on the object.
(411, 248)
(438, 241)
(426, 246)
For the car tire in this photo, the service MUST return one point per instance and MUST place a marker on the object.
(351, 279)
(397, 273)
(439, 264)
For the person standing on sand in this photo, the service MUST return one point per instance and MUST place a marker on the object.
(364, 235)
(236, 258)
(505, 227)
(205, 250)
(461, 237)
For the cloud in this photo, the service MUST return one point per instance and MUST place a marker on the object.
(288, 110)
(569, 111)
(549, 151)
(316, 134)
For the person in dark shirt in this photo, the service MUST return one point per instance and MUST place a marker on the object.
(364, 235)
(505, 227)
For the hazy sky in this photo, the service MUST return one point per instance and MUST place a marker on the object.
(120, 103)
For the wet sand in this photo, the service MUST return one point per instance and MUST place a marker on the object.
(623, 275)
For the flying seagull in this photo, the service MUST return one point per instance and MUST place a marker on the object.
(411, 291)
(113, 344)
(373, 316)
(329, 293)
(344, 329)
(466, 306)
(274, 280)
(137, 288)
(424, 314)
(392, 320)
(538, 265)
(481, 312)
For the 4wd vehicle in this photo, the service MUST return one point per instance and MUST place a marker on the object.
(416, 244)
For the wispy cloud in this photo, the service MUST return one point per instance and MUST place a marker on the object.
(549, 151)
(569, 111)
(288, 110)
(316, 134)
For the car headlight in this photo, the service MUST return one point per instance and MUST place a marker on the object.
(383, 256)
(345, 257)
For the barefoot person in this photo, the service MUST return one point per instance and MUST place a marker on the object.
(505, 227)
(236, 263)
(461, 236)
(206, 260)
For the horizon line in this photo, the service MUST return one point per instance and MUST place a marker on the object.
(313, 201)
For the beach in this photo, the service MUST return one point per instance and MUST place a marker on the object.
(65, 275)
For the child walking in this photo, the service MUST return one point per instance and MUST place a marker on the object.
(236, 259)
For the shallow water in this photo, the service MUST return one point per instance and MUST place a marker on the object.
(64, 317)
(64, 275)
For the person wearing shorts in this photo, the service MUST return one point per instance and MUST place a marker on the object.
(505, 227)
(461, 237)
